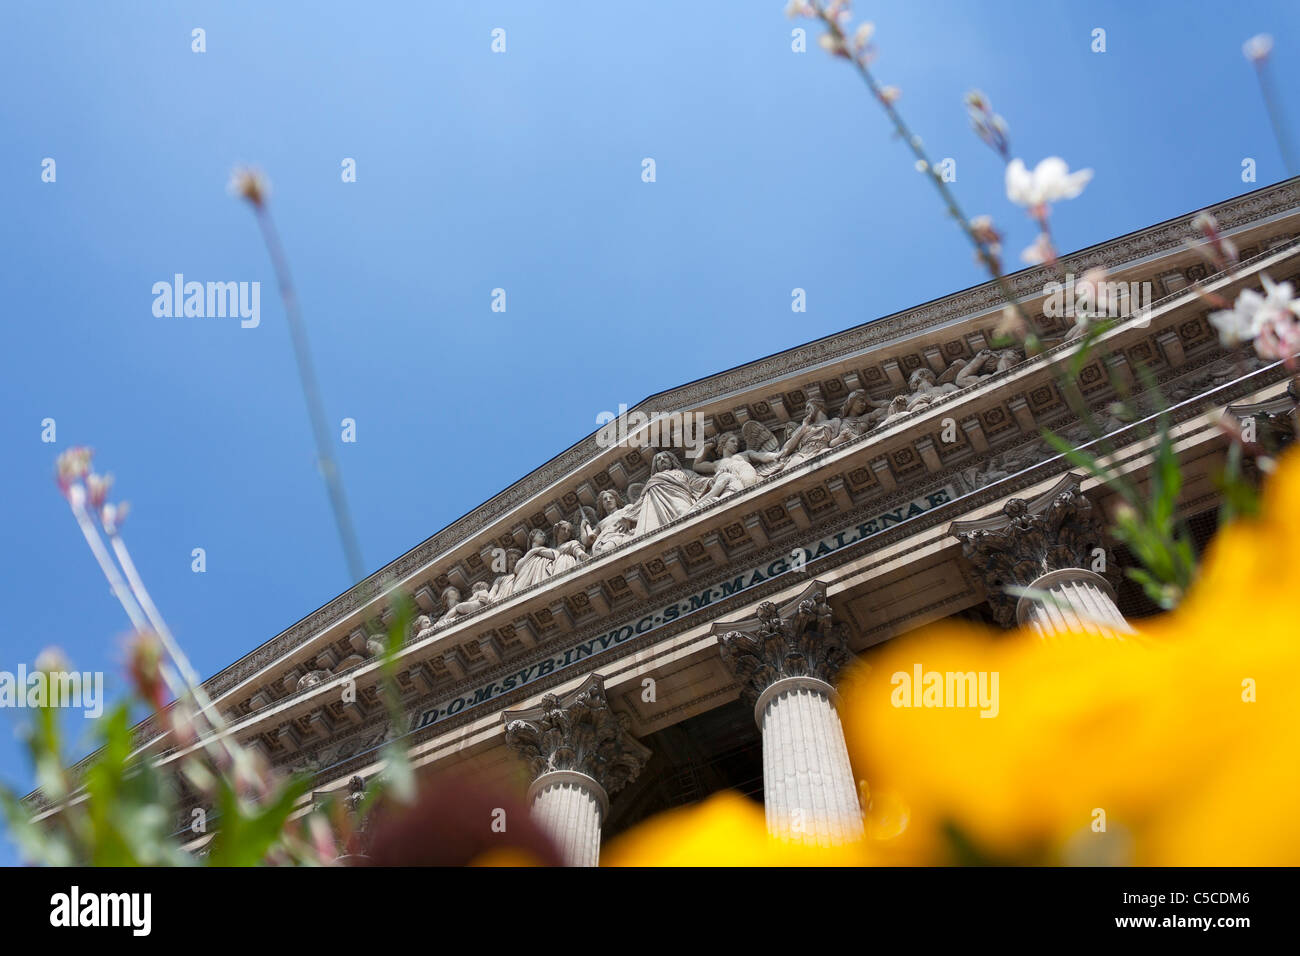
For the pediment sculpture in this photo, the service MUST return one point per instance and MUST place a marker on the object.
(726, 465)
(735, 469)
(670, 492)
(616, 524)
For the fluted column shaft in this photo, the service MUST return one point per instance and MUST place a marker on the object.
(1079, 601)
(579, 751)
(808, 790)
(786, 659)
(571, 807)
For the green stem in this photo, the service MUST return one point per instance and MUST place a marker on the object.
(914, 144)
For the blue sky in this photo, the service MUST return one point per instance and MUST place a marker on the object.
(476, 171)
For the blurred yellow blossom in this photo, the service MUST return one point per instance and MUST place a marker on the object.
(724, 830)
(1183, 737)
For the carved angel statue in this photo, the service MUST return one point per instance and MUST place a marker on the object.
(733, 470)
(616, 524)
(478, 599)
(540, 562)
(815, 435)
(373, 645)
(669, 493)
(924, 386)
(763, 442)
(1082, 323)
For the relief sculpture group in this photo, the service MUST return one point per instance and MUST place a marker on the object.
(726, 464)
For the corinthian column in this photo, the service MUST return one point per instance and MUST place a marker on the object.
(787, 659)
(1051, 544)
(579, 752)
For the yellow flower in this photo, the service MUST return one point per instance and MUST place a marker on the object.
(1181, 741)
(724, 830)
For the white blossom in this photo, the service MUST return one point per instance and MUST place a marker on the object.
(1051, 180)
(1271, 320)
(1258, 47)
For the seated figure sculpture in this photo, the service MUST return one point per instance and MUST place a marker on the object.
(569, 552)
(815, 434)
(669, 493)
(456, 608)
(535, 566)
(925, 387)
(733, 470)
(503, 584)
(859, 415)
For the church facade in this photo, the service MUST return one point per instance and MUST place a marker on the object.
(630, 628)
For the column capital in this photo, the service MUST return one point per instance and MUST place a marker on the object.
(796, 639)
(1058, 530)
(577, 733)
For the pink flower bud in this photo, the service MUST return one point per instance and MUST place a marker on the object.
(832, 44)
(1041, 251)
(97, 488)
(251, 184)
(144, 665)
(982, 227)
(73, 465)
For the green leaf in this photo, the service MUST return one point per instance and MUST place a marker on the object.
(248, 831)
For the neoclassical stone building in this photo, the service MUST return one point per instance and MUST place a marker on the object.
(629, 629)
